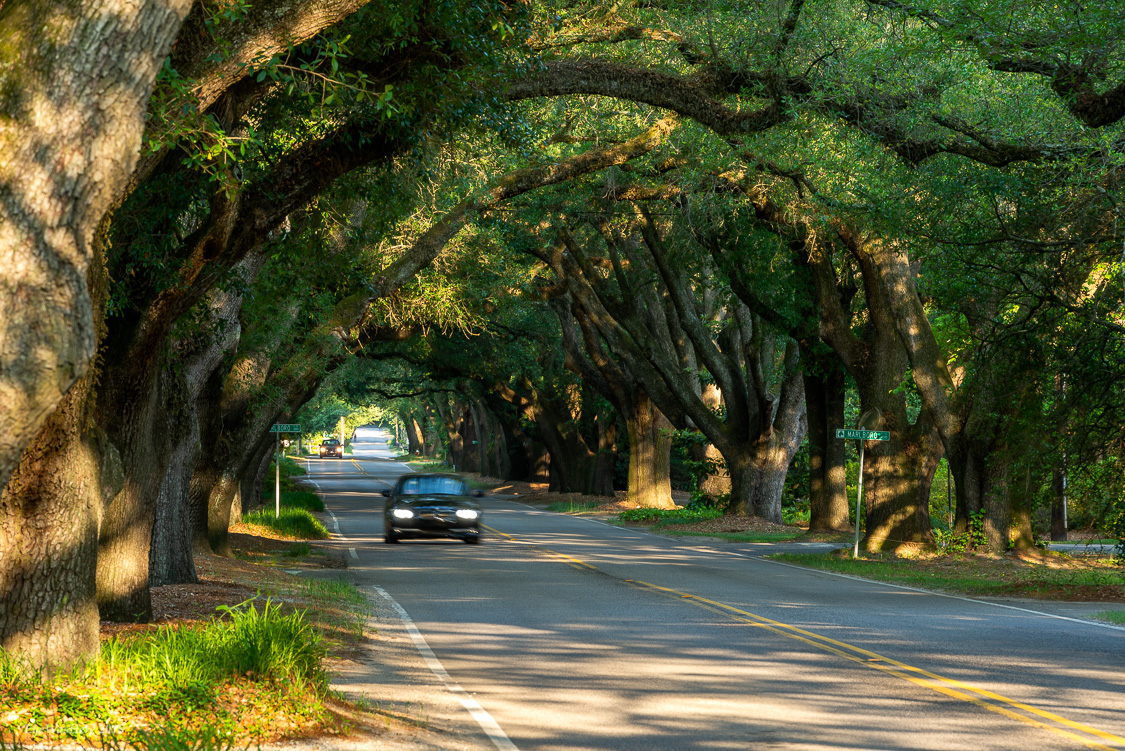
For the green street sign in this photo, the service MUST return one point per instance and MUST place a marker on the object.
(283, 428)
(864, 435)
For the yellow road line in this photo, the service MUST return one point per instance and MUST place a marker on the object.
(948, 686)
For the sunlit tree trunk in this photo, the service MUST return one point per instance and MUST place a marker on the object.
(413, 438)
(77, 79)
(650, 446)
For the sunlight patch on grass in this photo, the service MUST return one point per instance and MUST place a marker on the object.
(253, 674)
(1113, 616)
(293, 523)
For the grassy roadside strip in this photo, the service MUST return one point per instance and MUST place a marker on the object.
(251, 670)
(740, 536)
(1113, 616)
(1050, 576)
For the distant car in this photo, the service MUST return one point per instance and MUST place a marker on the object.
(331, 447)
(431, 505)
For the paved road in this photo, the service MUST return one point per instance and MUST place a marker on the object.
(569, 634)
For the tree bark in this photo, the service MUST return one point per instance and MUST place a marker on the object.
(413, 440)
(171, 560)
(49, 515)
(650, 447)
(76, 80)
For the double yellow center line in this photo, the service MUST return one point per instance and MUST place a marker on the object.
(951, 687)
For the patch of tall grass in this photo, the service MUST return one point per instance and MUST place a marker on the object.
(250, 642)
(292, 522)
(165, 689)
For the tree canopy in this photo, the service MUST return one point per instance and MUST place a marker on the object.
(551, 239)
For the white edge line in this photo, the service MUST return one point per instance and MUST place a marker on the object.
(335, 522)
(354, 554)
(935, 593)
(490, 727)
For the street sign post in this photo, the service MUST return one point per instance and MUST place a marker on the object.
(279, 428)
(861, 436)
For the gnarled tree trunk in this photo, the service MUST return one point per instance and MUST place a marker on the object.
(77, 79)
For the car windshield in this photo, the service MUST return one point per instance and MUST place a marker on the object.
(431, 485)
(330, 442)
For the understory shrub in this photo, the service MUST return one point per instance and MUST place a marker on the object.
(973, 539)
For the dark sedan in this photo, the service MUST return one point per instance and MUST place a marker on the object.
(331, 447)
(431, 505)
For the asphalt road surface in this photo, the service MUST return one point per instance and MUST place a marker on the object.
(564, 634)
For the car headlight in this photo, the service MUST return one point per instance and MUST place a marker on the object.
(467, 513)
(402, 513)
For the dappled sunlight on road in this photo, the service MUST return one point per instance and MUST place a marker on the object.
(573, 689)
(577, 635)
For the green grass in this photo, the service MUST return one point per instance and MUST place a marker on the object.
(293, 522)
(889, 571)
(738, 536)
(428, 465)
(571, 507)
(161, 689)
(1103, 541)
(299, 550)
(182, 662)
(1113, 616)
(660, 517)
(290, 470)
(301, 499)
(350, 606)
(970, 575)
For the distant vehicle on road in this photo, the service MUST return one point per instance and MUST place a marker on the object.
(431, 505)
(331, 447)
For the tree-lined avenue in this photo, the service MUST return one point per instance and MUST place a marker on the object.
(577, 635)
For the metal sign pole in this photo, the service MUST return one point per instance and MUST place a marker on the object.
(948, 495)
(277, 482)
(858, 501)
